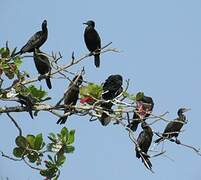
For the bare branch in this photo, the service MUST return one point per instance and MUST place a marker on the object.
(15, 123)
(8, 157)
(32, 167)
(65, 66)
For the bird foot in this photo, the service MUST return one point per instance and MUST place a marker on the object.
(177, 141)
(91, 53)
(40, 78)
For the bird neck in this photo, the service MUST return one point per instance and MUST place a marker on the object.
(182, 117)
(90, 27)
(44, 28)
(149, 131)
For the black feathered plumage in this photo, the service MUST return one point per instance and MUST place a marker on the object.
(111, 89)
(42, 65)
(71, 96)
(92, 41)
(27, 101)
(144, 141)
(173, 128)
(36, 41)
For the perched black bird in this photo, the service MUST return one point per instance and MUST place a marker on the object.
(36, 41)
(71, 96)
(92, 41)
(111, 89)
(144, 106)
(42, 65)
(173, 128)
(144, 141)
(28, 101)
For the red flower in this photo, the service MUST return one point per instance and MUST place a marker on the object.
(86, 99)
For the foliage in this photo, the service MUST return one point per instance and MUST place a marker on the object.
(34, 149)
(90, 93)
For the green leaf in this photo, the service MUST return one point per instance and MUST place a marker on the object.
(5, 52)
(32, 156)
(17, 61)
(31, 139)
(21, 141)
(5, 66)
(52, 135)
(50, 158)
(139, 96)
(51, 139)
(64, 131)
(38, 142)
(71, 137)
(64, 134)
(36, 93)
(69, 149)
(60, 159)
(92, 90)
(18, 152)
(49, 173)
(56, 177)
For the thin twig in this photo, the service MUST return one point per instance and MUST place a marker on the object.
(32, 167)
(15, 123)
(8, 157)
(65, 66)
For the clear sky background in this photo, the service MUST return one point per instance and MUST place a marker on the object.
(161, 54)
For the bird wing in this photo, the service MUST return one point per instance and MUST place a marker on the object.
(72, 95)
(144, 140)
(42, 63)
(92, 39)
(34, 42)
(173, 126)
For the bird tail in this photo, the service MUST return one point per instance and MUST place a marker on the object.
(62, 120)
(48, 82)
(159, 140)
(97, 60)
(147, 162)
(105, 119)
(17, 53)
(30, 112)
(145, 159)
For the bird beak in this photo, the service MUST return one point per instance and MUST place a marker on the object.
(187, 109)
(85, 23)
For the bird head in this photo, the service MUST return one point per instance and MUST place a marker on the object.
(182, 110)
(79, 80)
(115, 78)
(44, 24)
(90, 23)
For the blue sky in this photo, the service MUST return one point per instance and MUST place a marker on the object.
(161, 54)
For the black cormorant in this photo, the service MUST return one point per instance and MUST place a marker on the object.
(92, 41)
(144, 141)
(71, 96)
(111, 89)
(36, 41)
(173, 128)
(42, 65)
(28, 101)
